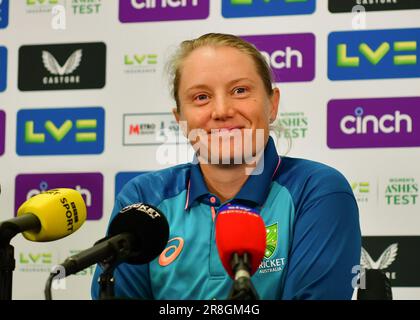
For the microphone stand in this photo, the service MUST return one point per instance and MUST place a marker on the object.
(242, 288)
(9, 229)
(122, 251)
(107, 282)
(7, 259)
(7, 265)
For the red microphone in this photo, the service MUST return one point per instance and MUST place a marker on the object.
(241, 243)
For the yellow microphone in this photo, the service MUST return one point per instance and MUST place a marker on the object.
(48, 216)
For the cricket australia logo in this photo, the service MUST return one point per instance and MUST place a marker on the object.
(61, 73)
(271, 240)
(384, 261)
(268, 264)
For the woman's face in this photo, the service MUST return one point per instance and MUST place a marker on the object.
(224, 105)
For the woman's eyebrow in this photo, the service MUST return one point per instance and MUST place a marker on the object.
(239, 80)
(206, 87)
(197, 86)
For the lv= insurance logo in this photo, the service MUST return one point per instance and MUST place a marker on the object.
(60, 131)
(4, 13)
(374, 54)
(259, 8)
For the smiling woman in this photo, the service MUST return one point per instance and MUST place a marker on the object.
(225, 102)
(221, 93)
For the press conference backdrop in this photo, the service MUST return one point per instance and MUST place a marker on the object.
(84, 103)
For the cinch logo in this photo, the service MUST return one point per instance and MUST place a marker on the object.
(3, 68)
(373, 54)
(60, 131)
(372, 5)
(258, 8)
(4, 13)
(373, 123)
(2, 131)
(401, 191)
(62, 66)
(90, 186)
(291, 56)
(86, 7)
(163, 10)
(140, 63)
(123, 177)
(151, 129)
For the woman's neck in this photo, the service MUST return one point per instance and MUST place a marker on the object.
(224, 181)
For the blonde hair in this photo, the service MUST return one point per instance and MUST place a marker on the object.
(217, 40)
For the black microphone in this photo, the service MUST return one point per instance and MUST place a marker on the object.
(377, 286)
(136, 235)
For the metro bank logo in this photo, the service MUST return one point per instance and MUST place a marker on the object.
(163, 10)
(376, 54)
(60, 131)
(373, 123)
(89, 185)
(259, 8)
(291, 56)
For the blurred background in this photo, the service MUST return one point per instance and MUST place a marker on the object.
(85, 103)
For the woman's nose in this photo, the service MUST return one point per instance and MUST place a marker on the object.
(222, 109)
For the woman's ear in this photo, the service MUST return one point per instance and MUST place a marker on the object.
(274, 104)
(176, 114)
(181, 123)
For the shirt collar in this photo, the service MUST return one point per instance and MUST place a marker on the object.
(255, 189)
(196, 185)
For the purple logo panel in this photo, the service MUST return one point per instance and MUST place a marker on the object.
(163, 10)
(291, 56)
(373, 123)
(90, 185)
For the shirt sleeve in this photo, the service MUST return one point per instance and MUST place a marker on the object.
(326, 245)
(130, 281)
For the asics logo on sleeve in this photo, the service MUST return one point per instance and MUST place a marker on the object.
(172, 252)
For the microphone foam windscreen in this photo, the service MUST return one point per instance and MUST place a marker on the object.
(60, 211)
(149, 227)
(238, 230)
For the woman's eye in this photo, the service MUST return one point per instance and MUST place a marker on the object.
(239, 90)
(201, 97)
